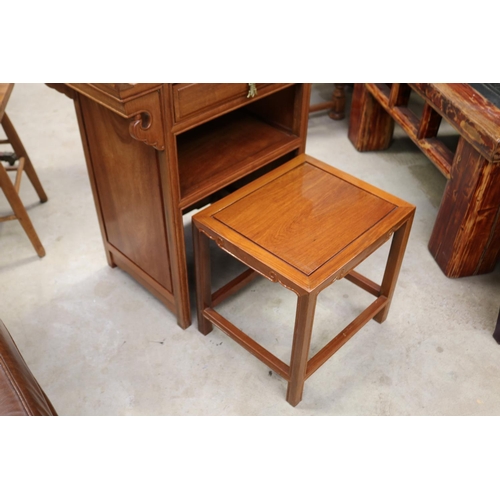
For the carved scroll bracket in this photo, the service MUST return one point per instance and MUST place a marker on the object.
(146, 124)
(142, 128)
(275, 279)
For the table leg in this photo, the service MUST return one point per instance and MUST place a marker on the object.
(370, 126)
(466, 237)
(304, 318)
(202, 270)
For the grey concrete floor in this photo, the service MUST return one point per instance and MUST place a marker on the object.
(99, 344)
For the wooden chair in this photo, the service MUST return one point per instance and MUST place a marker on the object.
(11, 189)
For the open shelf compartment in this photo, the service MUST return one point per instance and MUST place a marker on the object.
(222, 151)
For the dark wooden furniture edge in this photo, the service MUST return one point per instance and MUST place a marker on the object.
(496, 333)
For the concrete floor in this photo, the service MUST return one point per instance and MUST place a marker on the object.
(99, 344)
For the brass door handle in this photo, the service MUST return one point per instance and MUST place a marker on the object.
(252, 90)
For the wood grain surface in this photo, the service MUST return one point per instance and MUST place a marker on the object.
(311, 215)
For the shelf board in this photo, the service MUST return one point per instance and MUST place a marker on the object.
(222, 151)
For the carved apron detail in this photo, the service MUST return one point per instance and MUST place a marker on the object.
(146, 119)
(272, 275)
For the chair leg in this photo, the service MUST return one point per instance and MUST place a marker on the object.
(304, 318)
(18, 147)
(19, 210)
(394, 261)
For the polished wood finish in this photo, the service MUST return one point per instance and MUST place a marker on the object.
(466, 237)
(394, 261)
(128, 172)
(204, 298)
(302, 332)
(303, 225)
(211, 156)
(305, 195)
(191, 99)
(10, 189)
(155, 151)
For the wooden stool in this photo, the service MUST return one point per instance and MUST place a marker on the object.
(304, 226)
(10, 189)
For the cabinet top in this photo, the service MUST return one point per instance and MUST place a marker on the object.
(118, 91)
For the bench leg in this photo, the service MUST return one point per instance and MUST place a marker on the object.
(202, 270)
(394, 261)
(466, 237)
(370, 126)
(306, 305)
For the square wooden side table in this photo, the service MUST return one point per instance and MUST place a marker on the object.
(304, 226)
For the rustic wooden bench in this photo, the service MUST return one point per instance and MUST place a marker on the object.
(465, 240)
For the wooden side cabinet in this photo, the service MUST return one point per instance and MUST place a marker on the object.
(156, 151)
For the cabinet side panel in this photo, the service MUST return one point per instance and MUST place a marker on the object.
(128, 185)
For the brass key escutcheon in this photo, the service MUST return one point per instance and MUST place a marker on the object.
(252, 90)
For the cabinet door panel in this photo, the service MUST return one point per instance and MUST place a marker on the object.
(127, 177)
